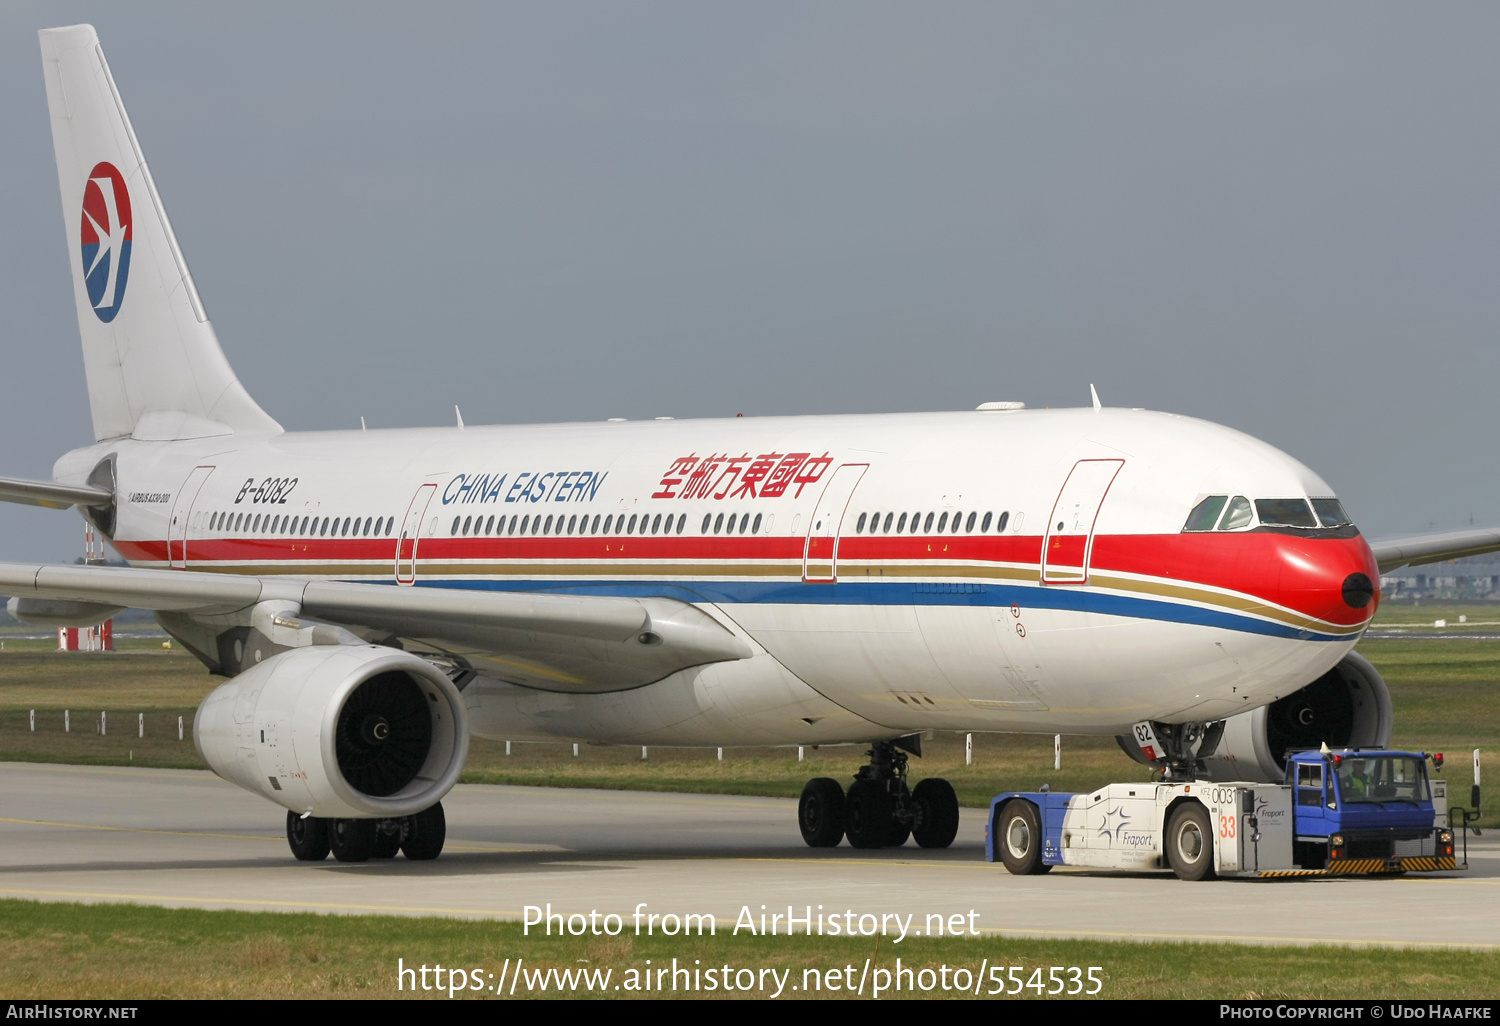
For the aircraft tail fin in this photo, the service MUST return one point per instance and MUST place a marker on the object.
(154, 365)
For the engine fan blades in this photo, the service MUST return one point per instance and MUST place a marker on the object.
(384, 734)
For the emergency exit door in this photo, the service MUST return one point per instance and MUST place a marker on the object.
(821, 553)
(1069, 540)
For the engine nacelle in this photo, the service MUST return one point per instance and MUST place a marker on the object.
(1348, 707)
(341, 731)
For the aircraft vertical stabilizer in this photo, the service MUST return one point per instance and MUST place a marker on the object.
(154, 366)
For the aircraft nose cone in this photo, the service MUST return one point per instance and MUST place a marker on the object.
(1334, 580)
(1358, 590)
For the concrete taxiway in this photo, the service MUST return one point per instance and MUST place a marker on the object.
(187, 839)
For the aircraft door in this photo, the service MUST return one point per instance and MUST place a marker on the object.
(1069, 536)
(181, 516)
(411, 533)
(820, 555)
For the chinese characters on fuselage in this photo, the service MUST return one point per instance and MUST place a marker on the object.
(722, 476)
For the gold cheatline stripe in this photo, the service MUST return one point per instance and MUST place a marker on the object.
(1244, 605)
(792, 571)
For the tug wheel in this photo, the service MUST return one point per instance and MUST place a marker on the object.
(1019, 838)
(1190, 843)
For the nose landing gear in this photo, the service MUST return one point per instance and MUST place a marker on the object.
(879, 810)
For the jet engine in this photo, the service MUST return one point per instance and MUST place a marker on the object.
(338, 731)
(1348, 707)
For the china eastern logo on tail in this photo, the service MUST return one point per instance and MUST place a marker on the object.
(106, 230)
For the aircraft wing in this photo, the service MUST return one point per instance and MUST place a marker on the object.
(1433, 548)
(561, 642)
(51, 494)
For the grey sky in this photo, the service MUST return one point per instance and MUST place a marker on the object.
(1279, 217)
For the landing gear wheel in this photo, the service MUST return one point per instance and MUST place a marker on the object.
(937, 813)
(899, 834)
(868, 809)
(1190, 843)
(820, 813)
(387, 839)
(426, 832)
(1018, 835)
(352, 840)
(308, 837)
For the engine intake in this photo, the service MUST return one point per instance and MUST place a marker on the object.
(1348, 707)
(341, 731)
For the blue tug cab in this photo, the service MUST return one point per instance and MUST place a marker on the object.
(1362, 810)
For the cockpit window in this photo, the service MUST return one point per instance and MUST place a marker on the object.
(1206, 514)
(1237, 516)
(1331, 513)
(1285, 512)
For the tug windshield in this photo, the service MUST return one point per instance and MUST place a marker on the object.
(1382, 778)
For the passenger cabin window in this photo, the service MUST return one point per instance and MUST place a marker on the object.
(1206, 514)
(1237, 516)
(1331, 513)
(1285, 512)
(1004, 519)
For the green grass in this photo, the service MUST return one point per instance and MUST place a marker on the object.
(136, 952)
(140, 678)
(1419, 617)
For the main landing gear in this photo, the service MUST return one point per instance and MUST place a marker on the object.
(419, 837)
(879, 810)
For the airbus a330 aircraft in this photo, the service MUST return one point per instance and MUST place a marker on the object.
(375, 597)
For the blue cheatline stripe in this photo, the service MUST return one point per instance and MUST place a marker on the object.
(905, 593)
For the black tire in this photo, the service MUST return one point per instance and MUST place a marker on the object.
(352, 840)
(820, 813)
(1190, 843)
(937, 813)
(868, 809)
(1018, 836)
(308, 838)
(899, 835)
(425, 834)
(387, 839)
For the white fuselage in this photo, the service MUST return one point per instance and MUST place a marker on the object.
(1016, 570)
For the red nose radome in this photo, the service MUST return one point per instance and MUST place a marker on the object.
(1332, 579)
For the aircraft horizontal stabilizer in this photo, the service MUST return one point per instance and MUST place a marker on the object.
(51, 495)
(1434, 548)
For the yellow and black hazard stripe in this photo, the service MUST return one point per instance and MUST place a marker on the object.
(1292, 872)
(1428, 863)
(1341, 866)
